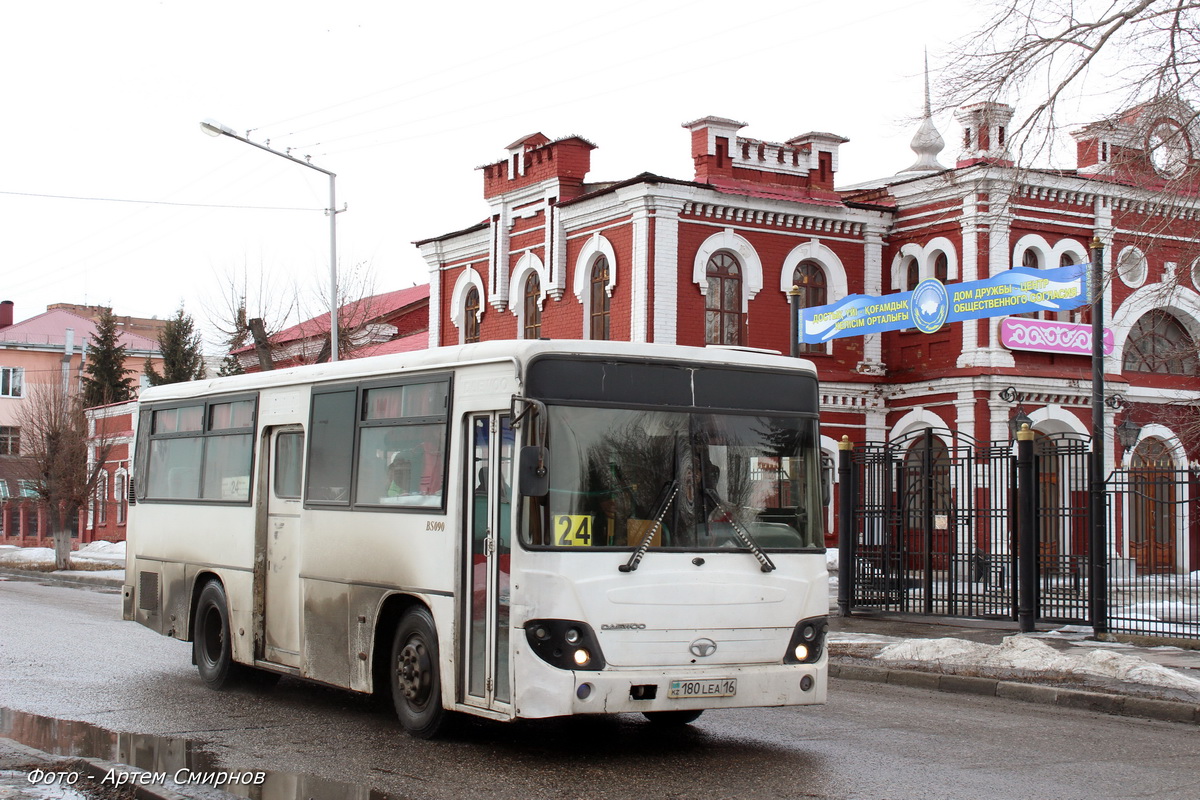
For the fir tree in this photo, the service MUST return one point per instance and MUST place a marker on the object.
(106, 379)
(181, 348)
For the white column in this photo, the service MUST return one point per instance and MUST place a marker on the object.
(664, 269)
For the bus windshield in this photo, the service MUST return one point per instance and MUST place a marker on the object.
(678, 480)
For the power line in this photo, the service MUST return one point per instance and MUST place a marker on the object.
(156, 202)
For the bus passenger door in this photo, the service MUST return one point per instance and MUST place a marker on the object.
(280, 593)
(488, 543)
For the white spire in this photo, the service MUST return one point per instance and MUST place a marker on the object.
(927, 142)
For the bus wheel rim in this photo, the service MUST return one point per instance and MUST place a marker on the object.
(414, 669)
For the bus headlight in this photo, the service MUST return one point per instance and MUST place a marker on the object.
(565, 643)
(808, 641)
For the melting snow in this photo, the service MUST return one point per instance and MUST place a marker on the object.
(1026, 653)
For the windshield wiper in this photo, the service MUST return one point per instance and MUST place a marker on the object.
(741, 533)
(668, 494)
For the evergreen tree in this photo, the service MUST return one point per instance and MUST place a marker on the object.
(106, 379)
(181, 348)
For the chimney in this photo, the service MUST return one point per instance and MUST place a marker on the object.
(6, 313)
(985, 134)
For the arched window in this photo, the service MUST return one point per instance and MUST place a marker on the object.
(601, 302)
(1030, 259)
(814, 291)
(912, 274)
(533, 311)
(1160, 344)
(723, 301)
(941, 267)
(471, 316)
(121, 495)
(102, 498)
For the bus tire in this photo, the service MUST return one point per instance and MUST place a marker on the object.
(414, 675)
(212, 639)
(671, 718)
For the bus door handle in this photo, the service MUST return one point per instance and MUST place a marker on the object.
(489, 545)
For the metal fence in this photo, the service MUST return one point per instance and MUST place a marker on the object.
(1152, 509)
(931, 519)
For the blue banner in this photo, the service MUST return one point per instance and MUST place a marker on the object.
(932, 304)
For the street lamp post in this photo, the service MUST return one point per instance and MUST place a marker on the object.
(1099, 527)
(214, 128)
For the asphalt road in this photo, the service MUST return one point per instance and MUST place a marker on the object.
(66, 655)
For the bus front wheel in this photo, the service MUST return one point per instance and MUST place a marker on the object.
(212, 640)
(416, 682)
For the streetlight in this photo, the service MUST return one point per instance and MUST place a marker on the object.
(1098, 533)
(214, 128)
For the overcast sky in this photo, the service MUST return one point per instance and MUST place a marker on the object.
(111, 194)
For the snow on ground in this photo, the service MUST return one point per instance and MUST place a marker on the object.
(1027, 653)
(94, 554)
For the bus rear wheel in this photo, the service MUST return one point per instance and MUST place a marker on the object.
(668, 718)
(212, 639)
(415, 679)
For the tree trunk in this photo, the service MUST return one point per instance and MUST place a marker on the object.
(62, 538)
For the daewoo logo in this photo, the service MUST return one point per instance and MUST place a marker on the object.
(703, 647)
(623, 626)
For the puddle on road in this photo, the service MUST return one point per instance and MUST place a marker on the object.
(170, 756)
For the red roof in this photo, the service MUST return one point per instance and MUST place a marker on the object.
(364, 310)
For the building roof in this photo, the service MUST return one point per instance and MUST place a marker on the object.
(50, 330)
(365, 310)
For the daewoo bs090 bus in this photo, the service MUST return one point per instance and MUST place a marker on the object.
(508, 529)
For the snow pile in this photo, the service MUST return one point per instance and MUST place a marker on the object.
(831, 559)
(1028, 654)
(102, 551)
(92, 556)
(11, 556)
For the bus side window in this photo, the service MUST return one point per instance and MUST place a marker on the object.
(330, 454)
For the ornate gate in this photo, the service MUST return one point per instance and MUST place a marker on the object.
(933, 520)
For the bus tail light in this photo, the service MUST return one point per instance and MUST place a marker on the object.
(808, 641)
(565, 644)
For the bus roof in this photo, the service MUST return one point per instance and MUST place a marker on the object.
(518, 351)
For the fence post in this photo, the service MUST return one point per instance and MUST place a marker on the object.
(847, 536)
(1026, 532)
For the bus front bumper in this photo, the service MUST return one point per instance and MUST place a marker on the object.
(555, 692)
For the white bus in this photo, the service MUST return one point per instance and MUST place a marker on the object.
(511, 529)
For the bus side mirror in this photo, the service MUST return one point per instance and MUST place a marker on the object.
(826, 480)
(533, 477)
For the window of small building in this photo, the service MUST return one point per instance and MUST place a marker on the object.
(723, 321)
(10, 440)
(12, 381)
(102, 498)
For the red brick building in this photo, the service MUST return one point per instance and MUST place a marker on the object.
(710, 261)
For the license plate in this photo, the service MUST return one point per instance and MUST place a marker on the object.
(708, 687)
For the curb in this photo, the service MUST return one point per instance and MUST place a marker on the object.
(1121, 705)
(59, 578)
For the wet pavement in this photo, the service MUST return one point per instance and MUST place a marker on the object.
(42, 758)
